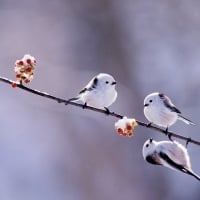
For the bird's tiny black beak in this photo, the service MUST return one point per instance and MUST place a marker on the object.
(113, 83)
(146, 104)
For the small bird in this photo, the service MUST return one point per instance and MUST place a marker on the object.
(168, 154)
(159, 110)
(100, 92)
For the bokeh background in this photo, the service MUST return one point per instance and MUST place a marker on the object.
(49, 151)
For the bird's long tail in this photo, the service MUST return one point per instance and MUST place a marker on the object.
(192, 174)
(73, 99)
(187, 121)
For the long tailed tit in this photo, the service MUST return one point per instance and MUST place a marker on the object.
(100, 92)
(168, 154)
(159, 110)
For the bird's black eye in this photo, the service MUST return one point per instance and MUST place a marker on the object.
(107, 82)
(147, 145)
(150, 101)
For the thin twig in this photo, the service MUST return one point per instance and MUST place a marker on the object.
(66, 102)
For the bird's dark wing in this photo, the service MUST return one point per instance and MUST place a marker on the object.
(165, 157)
(178, 166)
(83, 90)
(90, 87)
(168, 103)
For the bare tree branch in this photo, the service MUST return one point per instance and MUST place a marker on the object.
(66, 102)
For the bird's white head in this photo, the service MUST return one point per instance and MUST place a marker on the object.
(153, 100)
(105, 81)
(148, 147)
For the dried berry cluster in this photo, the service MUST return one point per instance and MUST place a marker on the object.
(125, 126)
(25, 68)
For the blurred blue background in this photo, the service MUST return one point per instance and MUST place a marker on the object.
(49, 151)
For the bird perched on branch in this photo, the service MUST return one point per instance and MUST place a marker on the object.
(159, 110)
(168, 154)
(100, 92)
